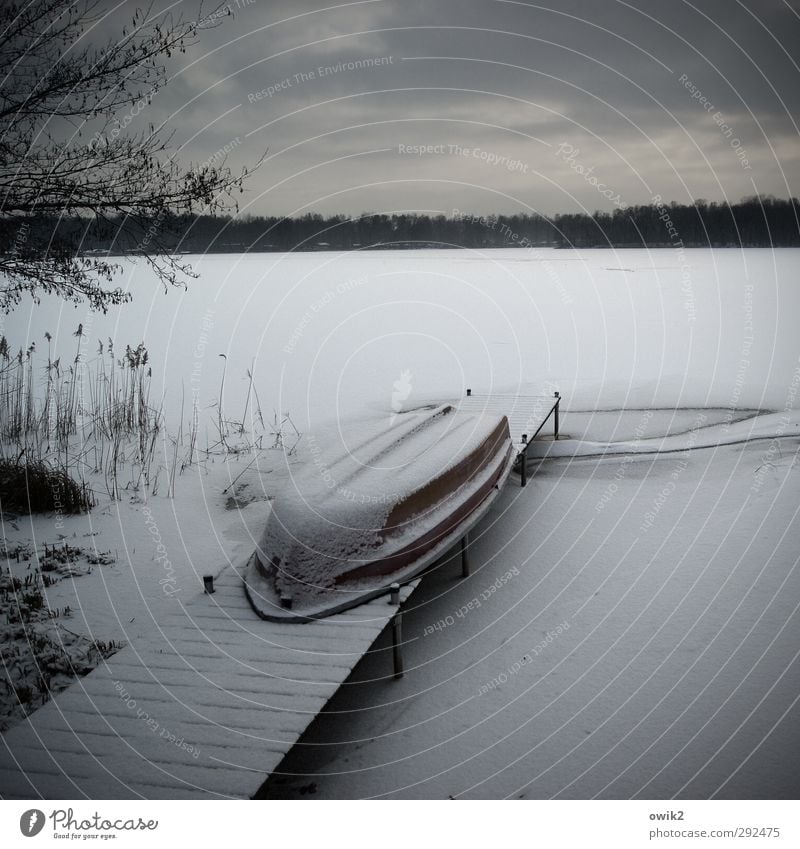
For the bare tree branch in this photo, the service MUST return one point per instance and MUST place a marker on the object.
(51, 73)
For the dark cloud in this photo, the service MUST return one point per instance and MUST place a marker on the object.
(680, 99)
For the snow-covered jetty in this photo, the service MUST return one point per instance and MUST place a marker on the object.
(527, 416)
(210, 705)
(206, 710)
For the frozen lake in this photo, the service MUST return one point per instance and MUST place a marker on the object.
(636, 626)
(332, 332)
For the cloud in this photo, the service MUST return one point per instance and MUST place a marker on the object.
(515, 79)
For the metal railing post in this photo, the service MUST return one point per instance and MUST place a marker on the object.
(397, 644)
(523, 462)
(558, 401)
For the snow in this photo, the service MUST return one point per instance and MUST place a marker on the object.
(662, 531)
(330, 333)
(701, 434)
(332, 515)
(673, 655)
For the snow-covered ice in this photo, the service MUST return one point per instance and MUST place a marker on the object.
(643, 638)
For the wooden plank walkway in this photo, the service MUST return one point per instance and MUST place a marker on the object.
(527, 416)
(525, 413)
(206, 709)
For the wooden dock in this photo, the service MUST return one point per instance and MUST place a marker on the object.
(207, 709)
(527, 415)
(211, 704)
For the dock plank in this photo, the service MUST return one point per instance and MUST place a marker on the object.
(205, 709)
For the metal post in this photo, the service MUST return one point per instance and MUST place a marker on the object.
(397, 643)
(523, 462)
(464, 556)
(394, 593)
(558, 401)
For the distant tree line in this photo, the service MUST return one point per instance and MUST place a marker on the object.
(753, 222)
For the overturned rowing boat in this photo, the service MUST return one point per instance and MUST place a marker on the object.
(375, 506)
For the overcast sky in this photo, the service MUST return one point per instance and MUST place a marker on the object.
(516, 106)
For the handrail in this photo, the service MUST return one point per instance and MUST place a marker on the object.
(553, 411)
(523, 454)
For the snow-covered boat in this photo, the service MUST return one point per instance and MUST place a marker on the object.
(375, 504)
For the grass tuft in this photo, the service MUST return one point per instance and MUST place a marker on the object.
(35, 488)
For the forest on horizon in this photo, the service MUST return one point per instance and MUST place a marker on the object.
(753, 222)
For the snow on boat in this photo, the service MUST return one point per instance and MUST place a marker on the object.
(375, 505)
